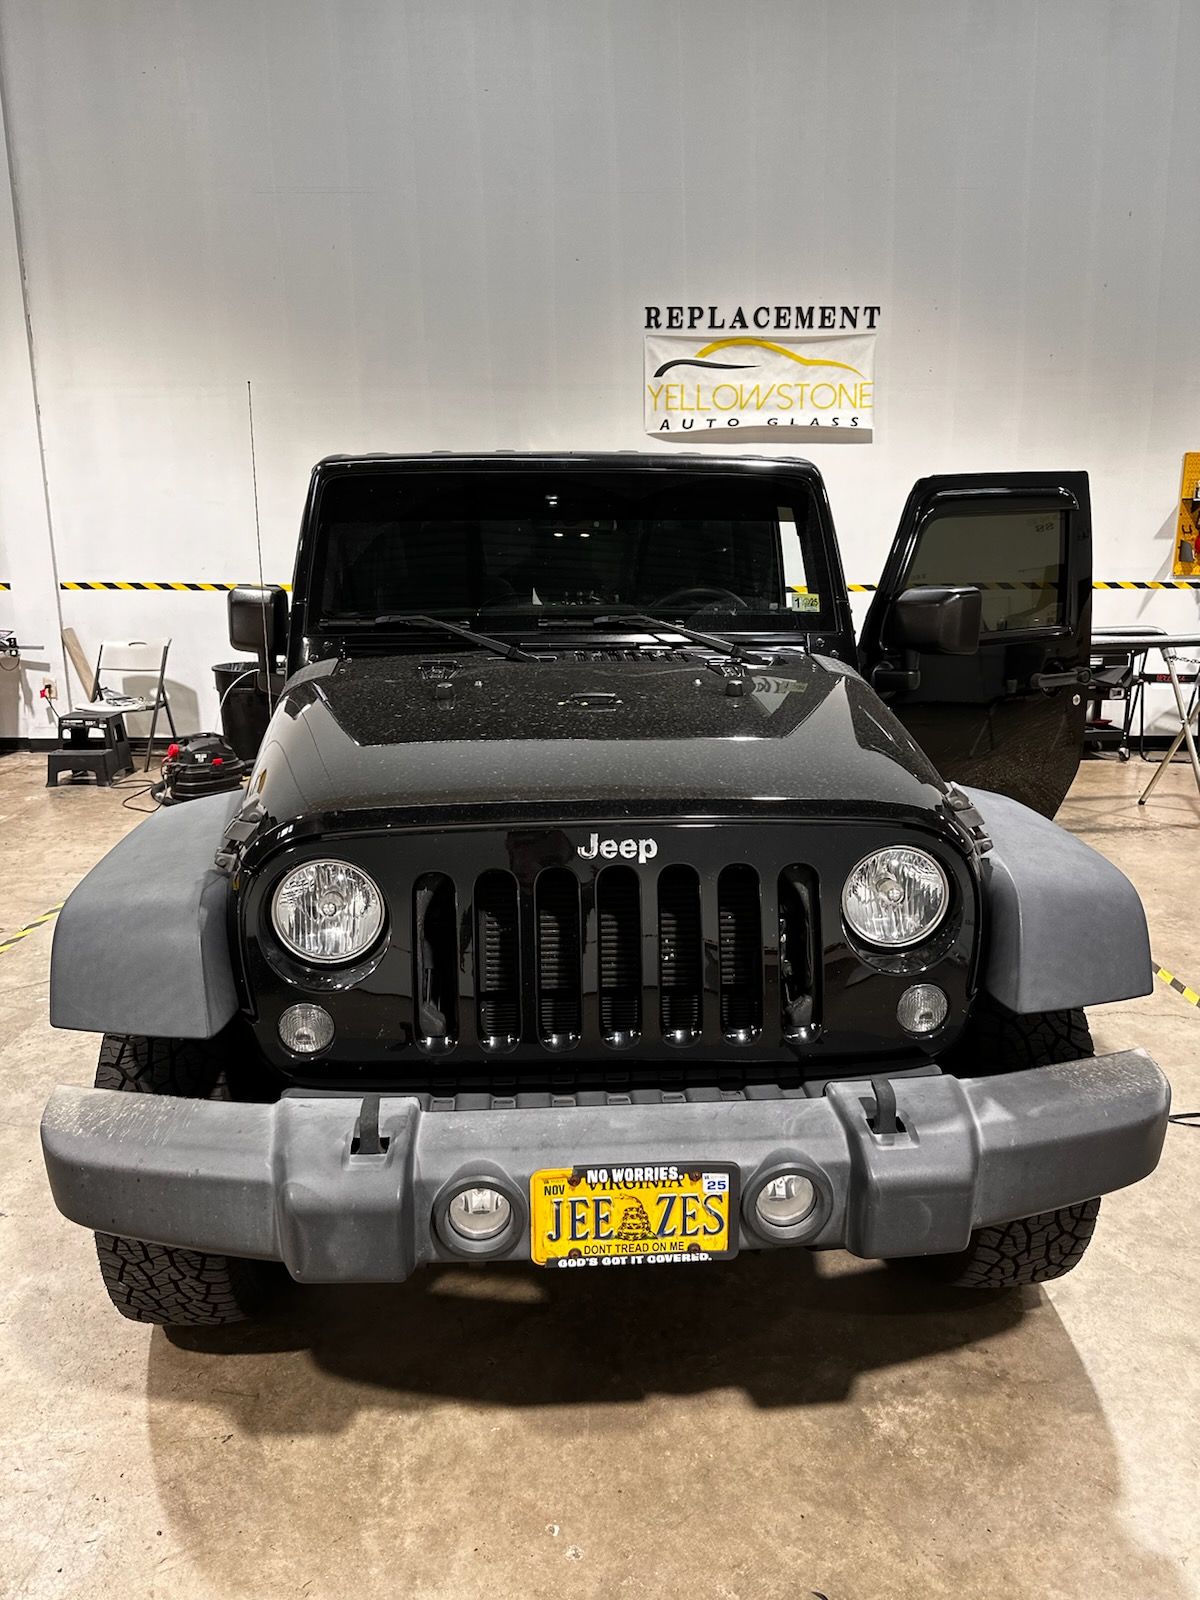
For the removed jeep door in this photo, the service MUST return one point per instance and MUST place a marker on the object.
(1008, 713)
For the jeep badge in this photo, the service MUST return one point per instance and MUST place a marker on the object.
(641, 850)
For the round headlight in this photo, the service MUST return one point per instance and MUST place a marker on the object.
(895, 896)
(327, 911)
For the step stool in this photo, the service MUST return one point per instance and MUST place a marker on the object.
(92, 741)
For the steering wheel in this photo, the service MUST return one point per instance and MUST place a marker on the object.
(701, 593)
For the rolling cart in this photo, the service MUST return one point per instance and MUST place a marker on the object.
(1169, 646)
(1118, 674)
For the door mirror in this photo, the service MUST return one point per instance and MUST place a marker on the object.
(942, 621)
(258, 621)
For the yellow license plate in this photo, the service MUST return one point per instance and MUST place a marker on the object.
(632, 1215)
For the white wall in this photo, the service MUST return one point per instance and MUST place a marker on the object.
(29, 601)
(388, 213)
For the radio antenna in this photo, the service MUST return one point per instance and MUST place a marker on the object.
(268, 663)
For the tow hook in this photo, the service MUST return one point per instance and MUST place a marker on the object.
(367, 1140)
(883, 1122)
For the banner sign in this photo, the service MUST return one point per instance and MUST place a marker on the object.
(703, 383)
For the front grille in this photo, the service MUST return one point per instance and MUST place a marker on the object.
(498, 961)
(559, 979)
(618, 940)
(435, 985)
(741, 954)
(680, 955)
(679, 962)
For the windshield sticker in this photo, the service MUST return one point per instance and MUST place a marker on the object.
(804, 600)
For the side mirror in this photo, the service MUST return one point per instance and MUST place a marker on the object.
(258, 620)
(942, 621)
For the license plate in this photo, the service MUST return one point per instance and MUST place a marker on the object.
(632, 1215)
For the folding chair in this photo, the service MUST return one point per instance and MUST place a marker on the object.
(147, 657)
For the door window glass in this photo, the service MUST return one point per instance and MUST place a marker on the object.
(1015, 557)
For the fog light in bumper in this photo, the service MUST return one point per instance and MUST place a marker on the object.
(479, 1215)
(785, 1201)
(306, 1029)
(922, 1009)
(788, 1201)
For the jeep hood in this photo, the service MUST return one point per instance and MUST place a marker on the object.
(587, 733)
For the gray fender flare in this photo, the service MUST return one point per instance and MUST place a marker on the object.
(142, 945)
(1063, 927)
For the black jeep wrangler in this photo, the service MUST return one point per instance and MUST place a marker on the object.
(597, 900)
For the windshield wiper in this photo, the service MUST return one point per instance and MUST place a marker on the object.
(416, 619)
(714, 641)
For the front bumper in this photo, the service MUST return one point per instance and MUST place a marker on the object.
(292, 1182)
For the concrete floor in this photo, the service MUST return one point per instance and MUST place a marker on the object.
(779, 1426)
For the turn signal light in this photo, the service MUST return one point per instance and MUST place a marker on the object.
(306, 1029)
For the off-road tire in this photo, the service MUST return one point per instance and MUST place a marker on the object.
(1031, 1249)
(154, 1282)
(998, 1040)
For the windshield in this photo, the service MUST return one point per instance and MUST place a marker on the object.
(538, 545)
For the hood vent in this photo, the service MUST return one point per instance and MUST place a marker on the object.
(585, 700)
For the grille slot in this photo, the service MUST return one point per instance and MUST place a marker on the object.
(435, 961)
(497, 961)
(559, 949)
(680, 955)
(798, 954)
(739, 924)
(619, 936)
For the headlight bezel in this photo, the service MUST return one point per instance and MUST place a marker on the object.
(926, 933)
(306, 958)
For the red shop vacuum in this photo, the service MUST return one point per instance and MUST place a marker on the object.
(202, 764)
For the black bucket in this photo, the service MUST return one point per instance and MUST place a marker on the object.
(244, 709)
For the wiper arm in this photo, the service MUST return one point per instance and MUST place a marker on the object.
(714, 641)
(416, 619)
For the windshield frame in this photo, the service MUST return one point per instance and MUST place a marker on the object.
(315, 636)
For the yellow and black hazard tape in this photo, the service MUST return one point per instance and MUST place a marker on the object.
(1172, 982)
(157, 586)
(9, 940)
(1098, 583)
(5, 587)
(1147, 583)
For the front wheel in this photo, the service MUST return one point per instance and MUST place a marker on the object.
(155, 1282)
(1030, 1250)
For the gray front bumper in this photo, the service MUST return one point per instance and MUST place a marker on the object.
(285, 1182)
